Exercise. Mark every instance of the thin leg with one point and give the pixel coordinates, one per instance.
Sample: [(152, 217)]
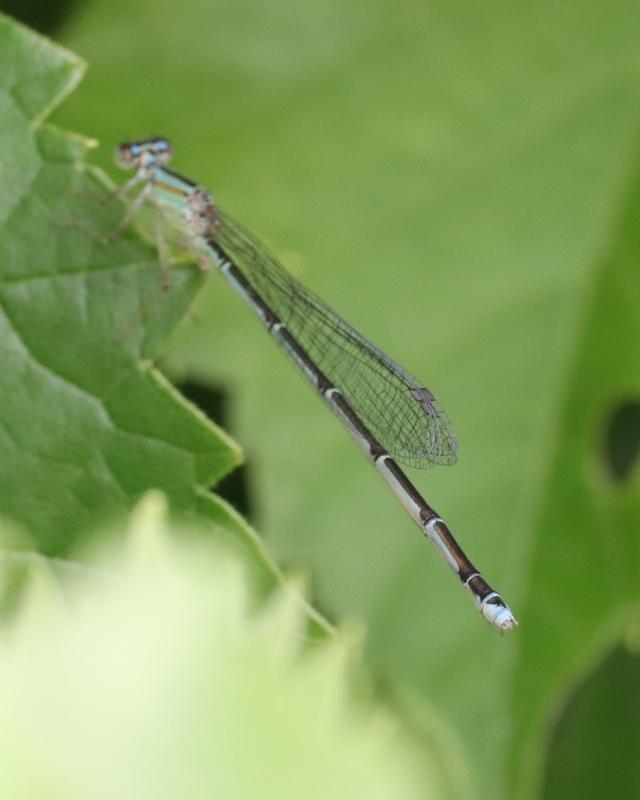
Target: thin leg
[(139, 177), (133, 209), (163, 253)]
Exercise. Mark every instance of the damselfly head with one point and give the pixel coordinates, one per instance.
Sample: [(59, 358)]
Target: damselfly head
[(143, 153)]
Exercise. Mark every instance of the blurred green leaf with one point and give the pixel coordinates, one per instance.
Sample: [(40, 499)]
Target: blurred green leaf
[(597, 722), (463, 177), (584, 584)]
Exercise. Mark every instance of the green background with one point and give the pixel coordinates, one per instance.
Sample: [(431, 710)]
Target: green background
[(461, 182)]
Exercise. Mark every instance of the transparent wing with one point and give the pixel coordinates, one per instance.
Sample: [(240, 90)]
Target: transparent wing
[(403, 414)]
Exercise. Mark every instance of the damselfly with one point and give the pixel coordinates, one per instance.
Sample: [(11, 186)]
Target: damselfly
[(392, 417)]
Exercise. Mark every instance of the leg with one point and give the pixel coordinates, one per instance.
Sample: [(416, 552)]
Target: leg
[(163, 254), (133, 209), (120, 191)]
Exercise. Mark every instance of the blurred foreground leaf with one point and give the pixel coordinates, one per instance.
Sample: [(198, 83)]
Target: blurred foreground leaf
[(153, 680)]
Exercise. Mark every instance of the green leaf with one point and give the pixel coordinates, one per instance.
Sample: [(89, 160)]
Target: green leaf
[(87, 423)]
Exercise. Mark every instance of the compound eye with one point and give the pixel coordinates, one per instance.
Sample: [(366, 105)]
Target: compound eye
[(163, 149)]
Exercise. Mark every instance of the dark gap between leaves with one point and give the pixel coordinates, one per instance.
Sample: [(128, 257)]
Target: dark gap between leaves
[(45, 16), (622, 440), (214, 401)]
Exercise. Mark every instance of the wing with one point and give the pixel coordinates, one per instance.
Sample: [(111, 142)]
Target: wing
[(403, 414)]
